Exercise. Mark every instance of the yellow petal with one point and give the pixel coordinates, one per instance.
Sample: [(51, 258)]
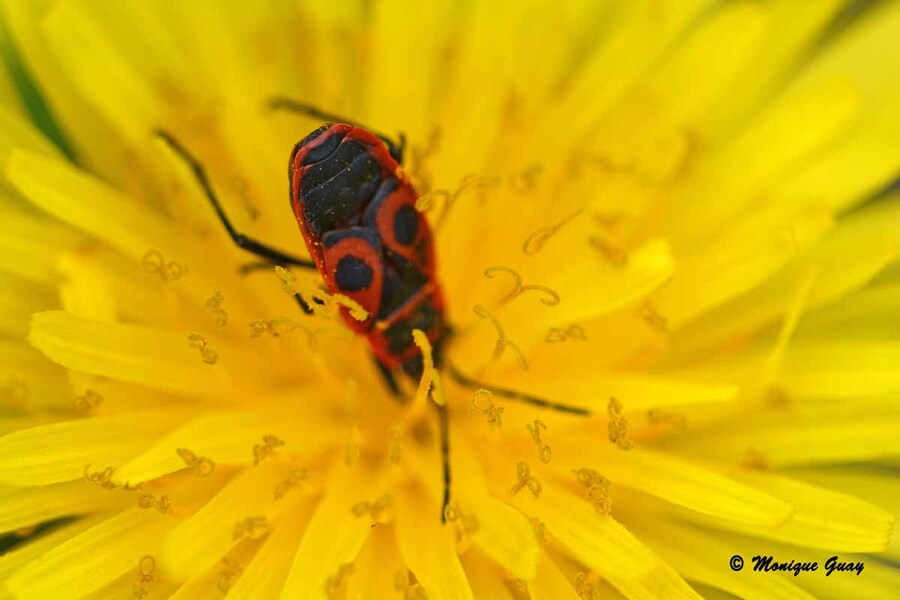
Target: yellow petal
[(678, 481), (206, 536), (42, 542), (783, 135), (822, 518), (603, 544), (872, 484), (18, 299), (92, 206), (86, 290), (503, 533), (334, 535), (93, 558), (841, 369), (211, 584), (35, 381), (228, 437), (719, 48), (29, 247), (376, 567), (429, 549), (738, 261), (62, 451), (265, 575), (835, 436), (25, 506), (856, 249), (700, 556), (127, 352), (95, 65), (635, 39), (550, 583)]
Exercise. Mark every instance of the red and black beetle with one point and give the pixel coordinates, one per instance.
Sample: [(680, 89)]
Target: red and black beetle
[(357, 211)]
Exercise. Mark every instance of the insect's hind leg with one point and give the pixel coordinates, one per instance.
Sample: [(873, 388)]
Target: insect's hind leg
[(247, 244), (516, 396), (390, 381), (444, 424)]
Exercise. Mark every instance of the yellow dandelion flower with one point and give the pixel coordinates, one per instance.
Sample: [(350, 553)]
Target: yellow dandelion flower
[(666, 232)]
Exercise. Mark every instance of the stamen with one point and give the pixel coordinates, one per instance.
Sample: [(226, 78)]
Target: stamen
[(657, 416), (526, 479), (536, 240), (281, 325), (395, 451), (597, 487), (502, 343), (756, 460), (776, 397), (251, 527), (419, 155), (203, 467), (230, 573), (375, 509), (477, 183), (585, 586), (15, 393), (334, 583), (102, 478), (614, 253), (650, 314), (430, 378), (155, 264), (199, 341), (552, 299), (493, 412), (540, 531), (322, 301), (214, 305), (411, 590), (288, 280), (526, 181), (266, 449), (543, 449), (465, 524), (162, 504), (351, 409), (87, 402), (609, 220), (618, 425), (295, 478), (145, 576), (558, 335)]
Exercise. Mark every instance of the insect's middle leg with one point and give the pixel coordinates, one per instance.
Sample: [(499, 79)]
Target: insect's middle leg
[(264, 251)]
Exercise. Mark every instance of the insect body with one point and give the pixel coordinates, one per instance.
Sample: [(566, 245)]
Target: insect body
[(356, 210)]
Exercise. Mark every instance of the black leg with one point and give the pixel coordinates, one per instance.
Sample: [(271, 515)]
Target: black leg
[(396, 149), (389, 380), (445, 456), (250, 245), (516, 396)]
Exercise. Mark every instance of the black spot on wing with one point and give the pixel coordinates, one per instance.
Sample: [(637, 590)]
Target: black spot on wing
[(352, 274), (406, 225)]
